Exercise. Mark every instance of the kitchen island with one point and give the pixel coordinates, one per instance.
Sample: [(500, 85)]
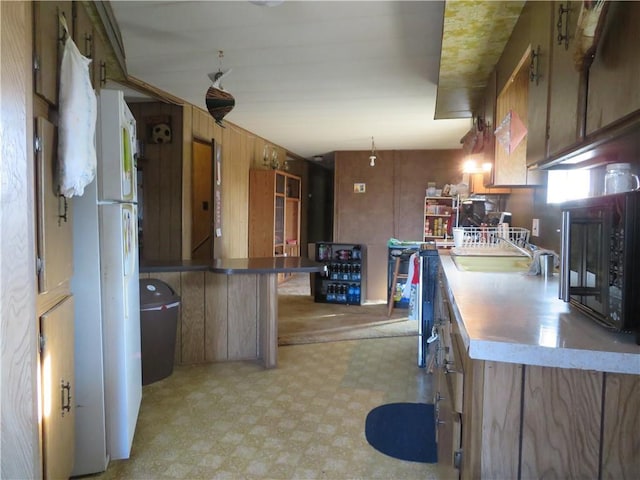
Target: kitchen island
[(534, 387), (229, 309)]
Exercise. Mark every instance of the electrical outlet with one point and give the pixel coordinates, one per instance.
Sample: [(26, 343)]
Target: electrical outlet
[(535, 227)]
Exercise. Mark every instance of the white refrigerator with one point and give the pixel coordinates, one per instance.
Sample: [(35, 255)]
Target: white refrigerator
[(105, 286)]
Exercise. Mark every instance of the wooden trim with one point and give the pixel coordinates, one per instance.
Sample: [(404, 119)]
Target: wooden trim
[(193, 302), (268, 320), (216, 313)]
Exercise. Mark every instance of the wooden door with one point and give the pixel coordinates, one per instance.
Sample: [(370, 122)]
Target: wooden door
[(202, 204), (55, 230), (58, 390)]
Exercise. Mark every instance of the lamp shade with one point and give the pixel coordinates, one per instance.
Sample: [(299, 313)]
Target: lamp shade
[(219, 103)]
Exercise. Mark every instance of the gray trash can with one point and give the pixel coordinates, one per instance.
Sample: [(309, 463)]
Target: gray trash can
[(159, 309)]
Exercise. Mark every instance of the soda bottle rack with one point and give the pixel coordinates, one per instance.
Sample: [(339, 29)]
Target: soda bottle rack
[(343, 278)]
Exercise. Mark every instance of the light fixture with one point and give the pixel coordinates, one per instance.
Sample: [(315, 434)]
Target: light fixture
[(373, 156), (471, 166), (219, 101)]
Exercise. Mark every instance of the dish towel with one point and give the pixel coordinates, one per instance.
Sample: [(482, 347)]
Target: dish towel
[(534, 268), (78, 112), (410, 288)]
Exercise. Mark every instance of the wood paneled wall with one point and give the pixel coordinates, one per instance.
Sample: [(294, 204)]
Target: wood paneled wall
[(20, 456), (218, 316), (392, 205), (167, 176), (161, 167)]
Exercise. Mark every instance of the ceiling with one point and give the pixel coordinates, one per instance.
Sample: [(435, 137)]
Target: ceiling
[(319, 76)]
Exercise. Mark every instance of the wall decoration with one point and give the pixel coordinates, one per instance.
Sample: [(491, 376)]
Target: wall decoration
[(217, 189), (359, 187), (511, 132), (158, 129)]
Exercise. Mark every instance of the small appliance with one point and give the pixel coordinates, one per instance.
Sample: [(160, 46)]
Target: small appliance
[(600, 254)]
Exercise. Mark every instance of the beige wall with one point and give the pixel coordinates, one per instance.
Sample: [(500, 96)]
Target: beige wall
[(392, 205)]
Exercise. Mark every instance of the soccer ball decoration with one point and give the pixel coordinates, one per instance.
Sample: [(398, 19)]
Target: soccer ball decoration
[(161, 133)]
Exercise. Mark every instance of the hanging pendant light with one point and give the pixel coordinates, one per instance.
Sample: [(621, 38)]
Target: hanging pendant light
[(219, 101), (373, 156)]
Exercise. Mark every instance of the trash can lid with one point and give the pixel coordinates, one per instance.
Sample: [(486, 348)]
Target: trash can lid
[(156, 293)]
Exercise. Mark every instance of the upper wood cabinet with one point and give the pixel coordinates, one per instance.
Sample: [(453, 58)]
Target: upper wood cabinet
[(47, 46), (564, 99), (478, 184), (614, 76), (522, 82), (540, 34)]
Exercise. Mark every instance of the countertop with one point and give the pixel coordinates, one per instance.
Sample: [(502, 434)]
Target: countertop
[(518, 318), (231, 266)]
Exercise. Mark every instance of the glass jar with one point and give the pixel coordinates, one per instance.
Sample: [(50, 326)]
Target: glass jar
[(619, 179)]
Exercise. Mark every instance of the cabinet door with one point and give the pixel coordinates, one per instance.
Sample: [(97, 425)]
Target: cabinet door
[(615, 72), (510, 159), (48, 46), (99, 63), (58, 390), (541, 14), (55, 231), (83, 36), (565, 82)]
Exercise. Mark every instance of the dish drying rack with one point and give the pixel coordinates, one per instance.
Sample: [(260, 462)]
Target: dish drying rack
[(494, 237)]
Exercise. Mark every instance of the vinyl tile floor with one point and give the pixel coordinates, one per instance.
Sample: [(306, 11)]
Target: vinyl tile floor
[(302, 420)]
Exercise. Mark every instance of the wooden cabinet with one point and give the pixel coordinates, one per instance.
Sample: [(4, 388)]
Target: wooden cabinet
[(564, 98), (440, 216), (613, 77), (57, 389), (54, 247), (48, 45), (274, 214), (55, 230), (448, 378), (477, 186), (522, 81), (540, 33), (528, 421)]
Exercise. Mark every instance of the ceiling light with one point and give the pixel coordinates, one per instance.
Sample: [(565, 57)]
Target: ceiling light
[(373, 156), (219, 101)]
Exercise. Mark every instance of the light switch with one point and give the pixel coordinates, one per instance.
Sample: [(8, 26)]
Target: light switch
[(535, 227)]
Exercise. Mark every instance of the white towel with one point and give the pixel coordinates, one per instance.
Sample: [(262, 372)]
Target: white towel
[(77, 127)]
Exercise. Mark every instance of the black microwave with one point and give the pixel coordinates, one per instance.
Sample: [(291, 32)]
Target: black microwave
[(600, 266)]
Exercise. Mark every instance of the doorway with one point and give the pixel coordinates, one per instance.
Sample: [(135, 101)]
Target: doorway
[(202, 201)]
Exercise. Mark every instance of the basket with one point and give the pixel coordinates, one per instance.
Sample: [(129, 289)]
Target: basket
[(492, 236)]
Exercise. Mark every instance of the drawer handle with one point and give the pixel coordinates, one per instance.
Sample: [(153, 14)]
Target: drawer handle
[(65, 387)]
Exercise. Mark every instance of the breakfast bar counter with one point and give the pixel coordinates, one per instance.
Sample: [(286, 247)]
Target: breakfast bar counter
[(229, 308)]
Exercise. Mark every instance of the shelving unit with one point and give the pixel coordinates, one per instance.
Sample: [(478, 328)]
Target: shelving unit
[(274, 215), (440, 216), (344, 276)]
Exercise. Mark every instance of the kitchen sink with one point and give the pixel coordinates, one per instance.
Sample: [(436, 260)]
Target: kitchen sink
[(490, 259)]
